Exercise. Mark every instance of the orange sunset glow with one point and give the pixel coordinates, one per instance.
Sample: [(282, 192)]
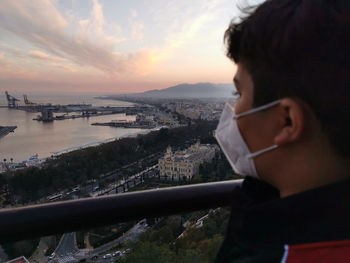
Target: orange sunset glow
[(112, 46)]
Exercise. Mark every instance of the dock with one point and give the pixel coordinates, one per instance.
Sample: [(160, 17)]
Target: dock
[(76, 116), (129, 125)]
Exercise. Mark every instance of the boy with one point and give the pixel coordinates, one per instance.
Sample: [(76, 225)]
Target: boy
[(288, 129)]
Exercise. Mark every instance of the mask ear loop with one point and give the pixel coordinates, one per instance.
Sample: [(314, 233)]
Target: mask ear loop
[(252, 155), (263, 107)]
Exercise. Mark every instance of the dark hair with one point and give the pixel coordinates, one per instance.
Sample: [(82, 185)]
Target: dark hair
[(299, 48)]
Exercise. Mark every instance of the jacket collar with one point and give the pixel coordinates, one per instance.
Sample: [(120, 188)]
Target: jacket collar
[(320, 214)]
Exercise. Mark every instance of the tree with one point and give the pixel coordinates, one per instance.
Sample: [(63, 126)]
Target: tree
[(162, 236), (189, 256), (147, 252)]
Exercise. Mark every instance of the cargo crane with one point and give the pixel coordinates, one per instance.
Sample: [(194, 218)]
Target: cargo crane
[(27, 102), (12, 101)]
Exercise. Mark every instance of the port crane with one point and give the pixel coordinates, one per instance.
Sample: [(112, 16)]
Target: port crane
[(27, 102), (12, 101)]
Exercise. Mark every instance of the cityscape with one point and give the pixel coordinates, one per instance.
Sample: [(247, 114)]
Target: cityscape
[(185, 160)]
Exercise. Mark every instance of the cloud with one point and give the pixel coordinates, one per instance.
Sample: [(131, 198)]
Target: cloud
[(137, 30), (188, 24), (52, 60), (40, 24), (43, 56), (133, 13), (97, 16), (3, 63), (9, 69), (136, 25)]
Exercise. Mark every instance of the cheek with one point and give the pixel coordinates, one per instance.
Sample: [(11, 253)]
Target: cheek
[(255, 133), (241, 106), (247, 132), (244, 103)]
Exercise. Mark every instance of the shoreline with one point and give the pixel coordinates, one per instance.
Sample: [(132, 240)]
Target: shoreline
[(55, 154), (96, 143)]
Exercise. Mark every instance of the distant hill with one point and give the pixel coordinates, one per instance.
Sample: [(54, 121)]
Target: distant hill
[(198, 90)]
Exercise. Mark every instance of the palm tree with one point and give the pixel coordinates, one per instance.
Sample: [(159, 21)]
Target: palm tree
[(5, 164)]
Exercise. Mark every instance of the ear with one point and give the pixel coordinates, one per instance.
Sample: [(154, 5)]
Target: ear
[(292, 121)]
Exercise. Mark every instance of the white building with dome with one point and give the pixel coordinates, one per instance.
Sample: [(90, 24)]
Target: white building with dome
[(183, 165)]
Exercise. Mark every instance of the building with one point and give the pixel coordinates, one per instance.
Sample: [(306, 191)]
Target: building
[(183, 165), (21, 259), (47, 115)]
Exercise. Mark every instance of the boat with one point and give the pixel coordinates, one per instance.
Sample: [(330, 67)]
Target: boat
[(33, 158)]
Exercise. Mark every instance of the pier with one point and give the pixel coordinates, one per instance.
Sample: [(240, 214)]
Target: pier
[(65, 116), (134, 125)]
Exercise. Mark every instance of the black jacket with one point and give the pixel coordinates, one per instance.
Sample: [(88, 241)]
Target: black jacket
[(313, 226)]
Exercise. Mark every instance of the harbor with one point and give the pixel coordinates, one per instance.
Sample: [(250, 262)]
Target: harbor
[(71, 122), (46, 138), (53, 112)]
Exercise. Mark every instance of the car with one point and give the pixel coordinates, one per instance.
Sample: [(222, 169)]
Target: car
[(127, 251), (117, 254), (94, 257), (107, 256)]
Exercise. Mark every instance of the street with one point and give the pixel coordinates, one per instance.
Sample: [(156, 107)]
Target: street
[(67, 251), (66, 248)]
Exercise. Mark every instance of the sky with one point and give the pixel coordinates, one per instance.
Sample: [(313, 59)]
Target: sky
[(112, 46)]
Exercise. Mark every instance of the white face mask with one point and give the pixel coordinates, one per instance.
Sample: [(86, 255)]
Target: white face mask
[(232, 143)]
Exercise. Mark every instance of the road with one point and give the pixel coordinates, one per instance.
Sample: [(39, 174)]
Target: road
[(66, 245), (113, 188), (66, 248), (67, 251), (131, 235)]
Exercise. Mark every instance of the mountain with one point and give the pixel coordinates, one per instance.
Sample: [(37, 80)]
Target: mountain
[(198, 90)]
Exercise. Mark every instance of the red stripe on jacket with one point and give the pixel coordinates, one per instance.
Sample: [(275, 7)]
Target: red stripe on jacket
[(321, 252)]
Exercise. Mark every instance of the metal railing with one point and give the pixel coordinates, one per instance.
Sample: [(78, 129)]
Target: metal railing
[(67, 216)]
